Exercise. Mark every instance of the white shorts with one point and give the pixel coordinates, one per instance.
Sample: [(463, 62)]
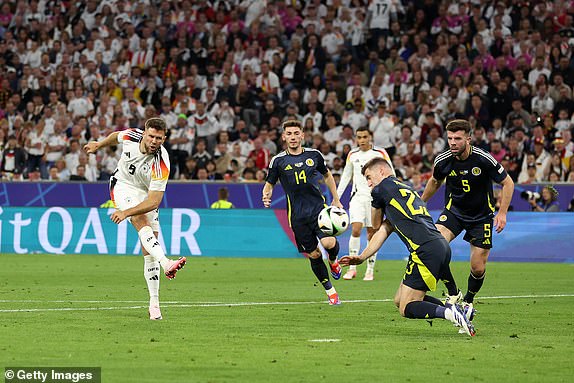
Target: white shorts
[(125, 197), (360, 210)]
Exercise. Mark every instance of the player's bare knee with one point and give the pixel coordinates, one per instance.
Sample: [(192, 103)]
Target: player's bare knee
[(328, 243), (397, 301), (139, 221), (477, 270)]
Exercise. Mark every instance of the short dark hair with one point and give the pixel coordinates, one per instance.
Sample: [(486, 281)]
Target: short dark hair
[(374, 162), (291, 123), (223, 193), (457, 125), (156, 123), (364, 129)]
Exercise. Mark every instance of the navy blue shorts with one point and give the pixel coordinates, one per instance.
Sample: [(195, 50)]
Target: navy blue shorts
[(306, 235), (478, 233), (427, 265)]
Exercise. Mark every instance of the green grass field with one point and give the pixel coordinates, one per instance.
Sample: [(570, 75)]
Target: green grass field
[(254, 320)]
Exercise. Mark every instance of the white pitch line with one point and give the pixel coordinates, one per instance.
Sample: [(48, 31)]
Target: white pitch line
[(324, 340), (256, 303), (241, 304)]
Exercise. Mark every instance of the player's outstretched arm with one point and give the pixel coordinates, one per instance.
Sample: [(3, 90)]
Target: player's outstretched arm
[(374, 244), (94, 146), (432, 186), (506, 197), (330, 182), (267, 192), (152, 202)]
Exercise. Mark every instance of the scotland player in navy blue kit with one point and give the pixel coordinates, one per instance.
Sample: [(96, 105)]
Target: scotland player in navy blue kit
[(299, 171), (429, 252), (468, 173)]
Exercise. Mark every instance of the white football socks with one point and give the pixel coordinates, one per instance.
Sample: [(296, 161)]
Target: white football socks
[(151, 274), (354, 247), (152, 246)]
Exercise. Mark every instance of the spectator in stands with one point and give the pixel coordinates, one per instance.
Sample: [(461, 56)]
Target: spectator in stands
[(529, 176), (13, 159), (497, 150), (200, 154), (36, 148), (180, 141), (479, 139), (80, 174), (260, 154)]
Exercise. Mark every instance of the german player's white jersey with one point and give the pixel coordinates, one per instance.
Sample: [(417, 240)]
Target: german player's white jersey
[(356, 159), (141, 171), (380, 11)]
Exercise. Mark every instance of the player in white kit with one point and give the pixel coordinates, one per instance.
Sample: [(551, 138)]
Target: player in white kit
[(360, 205), (136, 188)]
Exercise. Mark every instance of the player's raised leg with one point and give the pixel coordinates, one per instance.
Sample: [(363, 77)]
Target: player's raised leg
[(153, 247)]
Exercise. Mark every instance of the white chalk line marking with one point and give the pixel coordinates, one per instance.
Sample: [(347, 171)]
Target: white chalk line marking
[(181, 304), (324, 340)]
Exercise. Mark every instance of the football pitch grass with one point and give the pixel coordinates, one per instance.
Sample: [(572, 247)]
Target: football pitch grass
[(266, 320)]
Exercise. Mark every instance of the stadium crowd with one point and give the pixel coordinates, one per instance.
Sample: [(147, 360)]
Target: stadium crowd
[(225, 74)]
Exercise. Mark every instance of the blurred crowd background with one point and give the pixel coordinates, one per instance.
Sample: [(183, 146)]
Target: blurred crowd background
[(225, 74)]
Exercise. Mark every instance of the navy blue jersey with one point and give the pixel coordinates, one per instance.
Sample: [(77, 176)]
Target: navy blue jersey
[(406, 211), (299, 175), (468, 192)]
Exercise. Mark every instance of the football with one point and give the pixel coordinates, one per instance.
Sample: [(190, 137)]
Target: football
[(333, 220)]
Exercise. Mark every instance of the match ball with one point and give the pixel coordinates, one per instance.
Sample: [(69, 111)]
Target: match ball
[(333, 220)]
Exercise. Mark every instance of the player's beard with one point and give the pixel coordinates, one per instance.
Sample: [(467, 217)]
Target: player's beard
[(149, 149), (460, 151)]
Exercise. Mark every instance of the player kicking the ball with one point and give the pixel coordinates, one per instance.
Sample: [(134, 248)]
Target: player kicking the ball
[(360, 205), (298, 169), (137, 187), (429, 258)]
